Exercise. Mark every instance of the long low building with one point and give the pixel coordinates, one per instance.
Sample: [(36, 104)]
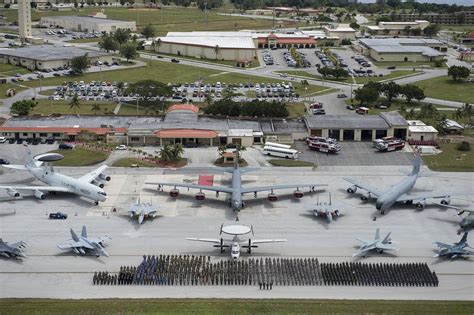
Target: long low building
[(43, 57), (87, 24)]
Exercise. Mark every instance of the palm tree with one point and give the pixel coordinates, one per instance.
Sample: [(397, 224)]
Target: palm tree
[(95, 108), (177, 151), (221, 150), (165, 153), (74, 103)]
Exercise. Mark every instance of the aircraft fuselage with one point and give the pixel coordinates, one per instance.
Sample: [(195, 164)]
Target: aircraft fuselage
[(236, 197), (387, 199)]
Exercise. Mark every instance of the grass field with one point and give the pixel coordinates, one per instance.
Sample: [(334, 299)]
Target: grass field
[(451, 159), (404, 64), (447, 89), (359, 80), (46, 107), (456, 28), (7, 69), (79, 157), (289, 163), (6, 86), (222, 306), (128, 162), (296, 109)]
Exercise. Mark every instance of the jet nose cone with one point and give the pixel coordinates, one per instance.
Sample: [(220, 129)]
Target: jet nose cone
[(378, 205)]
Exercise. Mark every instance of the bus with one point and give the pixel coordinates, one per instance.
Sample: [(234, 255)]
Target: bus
[(280, 152), (277, 145)]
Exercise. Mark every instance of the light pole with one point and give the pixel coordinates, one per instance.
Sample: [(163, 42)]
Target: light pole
[(353, 82)]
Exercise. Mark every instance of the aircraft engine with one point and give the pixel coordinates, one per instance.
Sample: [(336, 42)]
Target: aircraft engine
[(105, 177), (420, 204), (365, 196), (38, 194), (337, 213), (272, 197), (298, 194), (5, 254), (81, 251), (98, 183), (13, 193), (75, 250), (174, 193), (352, 189), (446, 201), (200, 196)]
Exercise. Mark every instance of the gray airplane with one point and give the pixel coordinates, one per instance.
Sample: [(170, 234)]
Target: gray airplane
[(236, 190), (378, 244), (326, 210), (88, 186), (467, 223), (455, 250), (12, 250), (398, 192), (142, 210), (82, 244)]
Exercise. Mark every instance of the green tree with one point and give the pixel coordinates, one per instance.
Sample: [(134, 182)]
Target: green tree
[(458, 72), (148, 31), (121, 36), (79, 64), (391, 90), (411, 92), (325, 71), (354, 25), (431, 30), (177, 151), (95, 108), (22, 107), (166, 154), (75, 102), (366, 95), (128, 51), (340, 73), (108, 43), (150, 88)]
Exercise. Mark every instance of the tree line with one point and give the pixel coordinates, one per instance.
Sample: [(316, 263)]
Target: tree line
[(370, 92), (255, 108)]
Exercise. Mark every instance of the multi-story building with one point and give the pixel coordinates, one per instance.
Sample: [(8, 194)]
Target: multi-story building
[(461, 17)]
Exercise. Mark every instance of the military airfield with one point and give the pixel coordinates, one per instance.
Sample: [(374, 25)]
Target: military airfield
[(49, 272)]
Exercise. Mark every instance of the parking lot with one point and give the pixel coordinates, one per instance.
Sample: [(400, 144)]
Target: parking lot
[(353, 154)]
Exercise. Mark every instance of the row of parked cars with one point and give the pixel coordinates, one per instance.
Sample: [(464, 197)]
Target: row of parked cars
[(33, 141), (325, 61), (291, 62), (361, 61), (267, 58)]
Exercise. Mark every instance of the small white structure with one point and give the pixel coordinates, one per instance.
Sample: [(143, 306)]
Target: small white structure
[(419, 131)]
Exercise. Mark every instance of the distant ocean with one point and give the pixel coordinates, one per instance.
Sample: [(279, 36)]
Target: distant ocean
[(458, 2)]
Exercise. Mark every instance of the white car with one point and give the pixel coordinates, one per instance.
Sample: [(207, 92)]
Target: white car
[(3, 139), (121, 147)]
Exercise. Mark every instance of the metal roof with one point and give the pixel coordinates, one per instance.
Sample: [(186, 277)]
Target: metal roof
[(48, 52), (209, 34), (211, 41), (393, 118), (346, 122)]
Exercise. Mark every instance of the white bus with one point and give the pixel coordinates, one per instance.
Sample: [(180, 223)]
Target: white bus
[(280, 152), (277, 145)]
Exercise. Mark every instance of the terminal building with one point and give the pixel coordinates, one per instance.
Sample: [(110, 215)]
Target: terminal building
[(43, 57), (402, 49), (87, 24)]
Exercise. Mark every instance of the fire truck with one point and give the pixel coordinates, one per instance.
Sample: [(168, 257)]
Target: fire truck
[(320, 139), (390, 145), (325, 147)]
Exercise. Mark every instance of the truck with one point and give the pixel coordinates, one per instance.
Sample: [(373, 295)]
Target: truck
[(390, 145), (57, 216), (320, 139), (383, 139), (362, 110), (325, 147)]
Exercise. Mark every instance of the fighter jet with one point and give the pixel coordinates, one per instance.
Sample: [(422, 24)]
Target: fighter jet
[(467, 223), (142, 211), (236, 190), (12, 250), (88, 186), (455, 250), (81, 244), (326, 210), (235, 244), (378, 245), (398, 192)]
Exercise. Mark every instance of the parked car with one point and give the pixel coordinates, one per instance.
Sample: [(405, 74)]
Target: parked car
[(175, 60), (342, 95), (391, 68), (121, 147), (58, 216), (3, 139), (349, 107), (65, 146)]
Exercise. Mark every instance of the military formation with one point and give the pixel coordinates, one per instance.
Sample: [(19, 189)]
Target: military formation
[(185, 270), (378, 274)]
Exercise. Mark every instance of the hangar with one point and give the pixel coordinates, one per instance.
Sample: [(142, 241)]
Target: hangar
[(358, 128), (87, 24)]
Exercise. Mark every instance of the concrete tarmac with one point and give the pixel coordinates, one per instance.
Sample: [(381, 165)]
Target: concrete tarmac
[(49, 272)]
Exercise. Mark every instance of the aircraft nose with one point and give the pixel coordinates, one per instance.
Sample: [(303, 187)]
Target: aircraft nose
[(378, 205)]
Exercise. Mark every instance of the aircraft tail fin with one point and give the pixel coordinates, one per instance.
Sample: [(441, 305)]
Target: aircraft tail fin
[(416, 165), (377, 234), (387, 238), (84, 231), (74, 236), (463, 239)]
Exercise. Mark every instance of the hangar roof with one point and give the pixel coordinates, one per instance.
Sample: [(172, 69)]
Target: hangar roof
[(211, 41), (346, 122), (48, 52)]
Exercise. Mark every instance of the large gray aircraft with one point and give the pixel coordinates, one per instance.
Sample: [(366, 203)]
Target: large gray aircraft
[(236, 190), (141, 211), (235, 244), (82, 244), (467, 223), (378, 244), (398, 192), (88, 186), (455, 250), (12, 250)]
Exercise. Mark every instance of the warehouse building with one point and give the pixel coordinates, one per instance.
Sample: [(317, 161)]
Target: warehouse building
[(396, 28), (43, 57), (402, 49), (341, 31), (87, 24), (234, 46), (358, 128)]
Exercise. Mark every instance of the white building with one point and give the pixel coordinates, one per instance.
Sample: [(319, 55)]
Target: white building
[(87, 24), (419, 131), (396, 28), (341, 31)]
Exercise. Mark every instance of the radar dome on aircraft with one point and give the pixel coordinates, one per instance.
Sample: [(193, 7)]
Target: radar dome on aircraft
[(236, 229), (49, 157)]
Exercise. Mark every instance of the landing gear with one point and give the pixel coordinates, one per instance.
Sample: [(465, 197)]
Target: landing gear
[(96, 203), (382, 212)]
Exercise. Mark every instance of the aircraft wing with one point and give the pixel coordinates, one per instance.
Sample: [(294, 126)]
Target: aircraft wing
[(207, 240), (266, 241), (33, 188), (100, 239), (368, 188), (386, 247), (16, 167), (441, 245), (460, 209), (200, 187), (73, 244), (406, 197), (89, 177), (247, 190), (18, 245)]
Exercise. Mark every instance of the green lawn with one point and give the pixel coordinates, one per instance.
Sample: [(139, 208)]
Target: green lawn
[(451, 159), (403, 64), (296, 109), (289, 163), (456, 28), (128, 162), (359, 80), (7, 69), (80, 157), (222, 306), (447, 89), (46, 107), (6, 86), (254, 63)]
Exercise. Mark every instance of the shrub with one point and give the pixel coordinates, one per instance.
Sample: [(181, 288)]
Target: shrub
[(464, 146)]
